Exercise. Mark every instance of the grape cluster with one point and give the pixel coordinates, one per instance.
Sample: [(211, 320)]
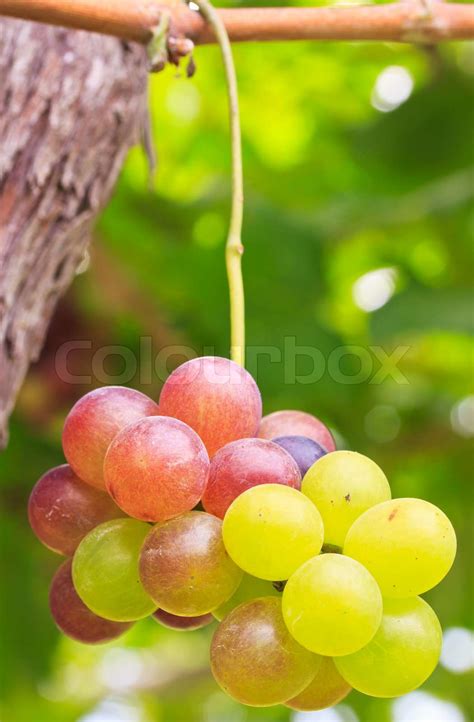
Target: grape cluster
[(196, 509)]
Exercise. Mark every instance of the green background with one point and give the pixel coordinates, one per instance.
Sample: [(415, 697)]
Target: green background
[(335, 188)]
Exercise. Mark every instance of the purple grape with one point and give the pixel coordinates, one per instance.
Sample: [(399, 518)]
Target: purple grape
[(304, 450)]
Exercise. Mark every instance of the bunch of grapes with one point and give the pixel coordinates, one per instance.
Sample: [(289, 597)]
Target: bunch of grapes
[(197, 509)]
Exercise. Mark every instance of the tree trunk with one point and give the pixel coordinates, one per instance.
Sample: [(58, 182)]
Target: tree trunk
[(71, 105)]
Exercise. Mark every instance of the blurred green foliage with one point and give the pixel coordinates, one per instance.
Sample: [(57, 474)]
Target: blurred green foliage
[(335, 189)]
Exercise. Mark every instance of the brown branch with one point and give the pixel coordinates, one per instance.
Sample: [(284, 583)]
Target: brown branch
[(421, 22)]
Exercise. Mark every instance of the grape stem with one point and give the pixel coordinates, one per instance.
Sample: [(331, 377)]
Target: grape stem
[(331, 549), (234, 247)]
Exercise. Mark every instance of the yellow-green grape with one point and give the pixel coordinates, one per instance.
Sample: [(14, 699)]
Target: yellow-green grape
[(332, 605), (408, 545), (343, 485), (255, 659), (327, 689), (249, 588), (105, 571), (401, 656), (271, 529)]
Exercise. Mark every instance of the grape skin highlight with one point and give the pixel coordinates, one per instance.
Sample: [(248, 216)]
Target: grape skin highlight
[(296, 423), (409, 546), (94, 421), (72, 616), (156, 468), (62, 509), (270, 530), (243, 464), (401, 656), (217, 398), (105, 571), (327, 689), (184, 565), (332, 605), (254, 658), (343, 485)]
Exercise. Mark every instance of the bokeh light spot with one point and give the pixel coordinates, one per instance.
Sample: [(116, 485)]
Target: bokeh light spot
[(113, 710), (424, 707), (183, 102), (457, 654), (393, 87), (382, 423), (462, 417), (341, 713), (374, 289), (121, 668), (209, 230)]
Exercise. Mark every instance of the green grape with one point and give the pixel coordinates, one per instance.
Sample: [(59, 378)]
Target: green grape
[(271, 529), (401, 656), (327, 689), (408, 545), (105, 571), (249, 588), (332, 605), (254, 658), (343, 485)]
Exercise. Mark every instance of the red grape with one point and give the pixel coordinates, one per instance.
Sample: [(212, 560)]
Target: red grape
[(255, 659), (62, 509), (156, 468), (182, 624), (327, 689), (243, 464), (184, 566), (216, 397), (94, 421), (72, 616), (296, 423), (305, 451)]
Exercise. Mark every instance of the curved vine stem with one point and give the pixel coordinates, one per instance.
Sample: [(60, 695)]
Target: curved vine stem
[(234, 247)]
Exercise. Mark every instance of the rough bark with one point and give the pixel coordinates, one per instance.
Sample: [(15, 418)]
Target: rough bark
[(71, 105)]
